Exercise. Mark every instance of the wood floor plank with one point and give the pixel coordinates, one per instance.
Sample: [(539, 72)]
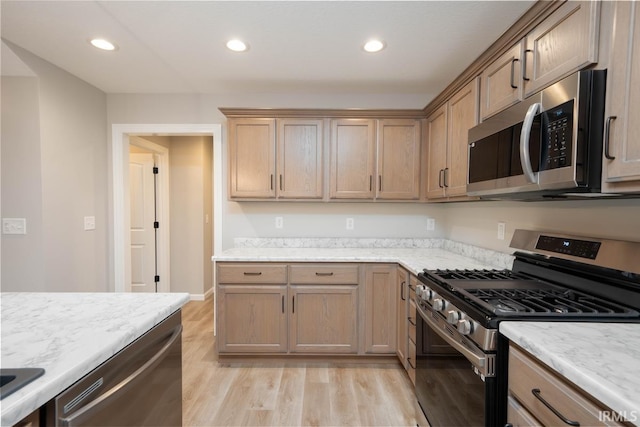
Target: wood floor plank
[(290, 393)]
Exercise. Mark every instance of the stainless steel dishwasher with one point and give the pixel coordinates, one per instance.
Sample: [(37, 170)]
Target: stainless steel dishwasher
[(139, 386)]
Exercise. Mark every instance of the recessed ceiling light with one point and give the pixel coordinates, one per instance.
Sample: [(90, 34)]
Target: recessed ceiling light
[(373, 46), (103, 44), (237, 45)]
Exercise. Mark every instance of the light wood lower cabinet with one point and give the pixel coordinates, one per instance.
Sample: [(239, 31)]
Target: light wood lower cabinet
[(534, 390), (402, 301), (252, 318), (324, 318), (380, 309)]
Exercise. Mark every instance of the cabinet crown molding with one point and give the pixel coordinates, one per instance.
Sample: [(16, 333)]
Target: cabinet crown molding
[(351, 113)]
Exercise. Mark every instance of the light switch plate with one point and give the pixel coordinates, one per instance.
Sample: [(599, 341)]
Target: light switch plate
[(431, 224), (501, 229), (14, 226), (350, 224), (279, 222), (89, 223)]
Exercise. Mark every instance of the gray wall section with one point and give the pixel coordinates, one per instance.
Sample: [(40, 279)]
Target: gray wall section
[(73, 181)]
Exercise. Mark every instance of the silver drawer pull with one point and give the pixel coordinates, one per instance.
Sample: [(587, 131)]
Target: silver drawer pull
[(536, 393), (324, 274), (252, 273)]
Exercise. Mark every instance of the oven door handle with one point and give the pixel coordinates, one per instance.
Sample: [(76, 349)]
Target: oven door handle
[(479, 362)]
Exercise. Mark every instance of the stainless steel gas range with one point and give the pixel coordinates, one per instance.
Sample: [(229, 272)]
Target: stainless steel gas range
[(461, 366)]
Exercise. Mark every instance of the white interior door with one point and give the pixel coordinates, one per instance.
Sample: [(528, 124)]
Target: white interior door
[(143, 236)]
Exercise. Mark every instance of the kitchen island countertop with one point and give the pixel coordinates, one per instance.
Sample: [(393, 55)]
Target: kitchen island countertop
[(69, 335), (603, 359)]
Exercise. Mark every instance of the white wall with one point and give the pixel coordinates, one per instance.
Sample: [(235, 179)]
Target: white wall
[(72, 167), (191, 245), (477, 222)]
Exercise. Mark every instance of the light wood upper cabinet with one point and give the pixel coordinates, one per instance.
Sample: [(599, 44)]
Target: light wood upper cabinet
[(565, 42), (398, 159), (502, 82), (436, 129), (462, 116), (380, 309), (252, 162), (353, 153), (263, 167), (448, 129), (300, 162), (621, 168)]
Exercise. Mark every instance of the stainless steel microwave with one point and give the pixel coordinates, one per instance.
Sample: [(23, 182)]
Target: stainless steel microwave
[(547, 146)]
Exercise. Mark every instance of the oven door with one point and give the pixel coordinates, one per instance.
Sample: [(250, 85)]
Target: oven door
[(450, 387)]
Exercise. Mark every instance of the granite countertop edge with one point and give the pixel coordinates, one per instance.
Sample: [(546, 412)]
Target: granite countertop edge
[(69, 335), (600, 358)]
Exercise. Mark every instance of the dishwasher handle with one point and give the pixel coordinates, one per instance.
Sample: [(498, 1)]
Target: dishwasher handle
[(104, 398)]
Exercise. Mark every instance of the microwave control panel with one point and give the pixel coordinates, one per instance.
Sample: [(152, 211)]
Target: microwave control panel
[(557, 142)]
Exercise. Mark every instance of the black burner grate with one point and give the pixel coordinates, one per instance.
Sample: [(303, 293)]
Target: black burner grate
[(477, 275)]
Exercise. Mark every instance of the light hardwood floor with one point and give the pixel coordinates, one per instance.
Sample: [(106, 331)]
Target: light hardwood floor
[(294, 393)]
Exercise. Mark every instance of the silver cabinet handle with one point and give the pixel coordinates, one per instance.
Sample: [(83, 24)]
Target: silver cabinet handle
[(525, 134), (607, 131), (84, 413), (538, 395), (524, 65), (513, 71)]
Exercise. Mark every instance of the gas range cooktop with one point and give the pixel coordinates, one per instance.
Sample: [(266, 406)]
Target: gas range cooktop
[(507, 293)]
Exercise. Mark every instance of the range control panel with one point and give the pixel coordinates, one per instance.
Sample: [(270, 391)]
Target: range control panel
[(579, 248)]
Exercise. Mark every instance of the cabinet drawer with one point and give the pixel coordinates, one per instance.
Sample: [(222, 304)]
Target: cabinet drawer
[(517, 416), (324, 274), (530, 382), (411, 362), (412, 321), (252, 273)]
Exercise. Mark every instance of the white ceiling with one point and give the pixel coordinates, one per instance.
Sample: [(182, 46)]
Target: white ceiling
[(295, 46)]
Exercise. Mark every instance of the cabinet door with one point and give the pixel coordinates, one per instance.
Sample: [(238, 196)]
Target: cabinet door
[(622, 144), (380, 309), (252, 147), (300, 158), (252, 318), (565, 42), (462, 116), (437, 158), (398, 159), (402, 331), (353, 150), (324, 319), (502, 82)]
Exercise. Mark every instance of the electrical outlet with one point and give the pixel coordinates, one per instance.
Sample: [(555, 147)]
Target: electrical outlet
[(279, 222), (14, 226), (431, 224), (350, 223), (501, 228), (89, 223)]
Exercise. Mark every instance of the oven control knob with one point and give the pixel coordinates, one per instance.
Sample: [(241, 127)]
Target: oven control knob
[(453, 316), (439, 304), (420, 290), (465, 326)]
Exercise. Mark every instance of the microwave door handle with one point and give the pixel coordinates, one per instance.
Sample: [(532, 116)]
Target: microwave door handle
[(525, 134)]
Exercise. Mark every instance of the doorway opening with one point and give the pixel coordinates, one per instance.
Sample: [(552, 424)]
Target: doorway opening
[(125, 136)]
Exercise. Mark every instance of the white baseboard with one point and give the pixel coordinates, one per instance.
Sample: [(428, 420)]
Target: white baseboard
[(201, 297)]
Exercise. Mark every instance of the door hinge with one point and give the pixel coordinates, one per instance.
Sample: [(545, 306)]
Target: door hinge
[(155, 170), (156, 279), (156, 224)]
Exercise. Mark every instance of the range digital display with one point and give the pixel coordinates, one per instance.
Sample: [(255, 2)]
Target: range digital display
[(579, 248)]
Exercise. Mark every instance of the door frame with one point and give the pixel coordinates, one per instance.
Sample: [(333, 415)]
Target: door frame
[(120, 221)]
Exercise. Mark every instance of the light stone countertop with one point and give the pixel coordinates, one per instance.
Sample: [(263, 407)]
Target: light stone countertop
[(69, 335), (601, 358), (413, 254)]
